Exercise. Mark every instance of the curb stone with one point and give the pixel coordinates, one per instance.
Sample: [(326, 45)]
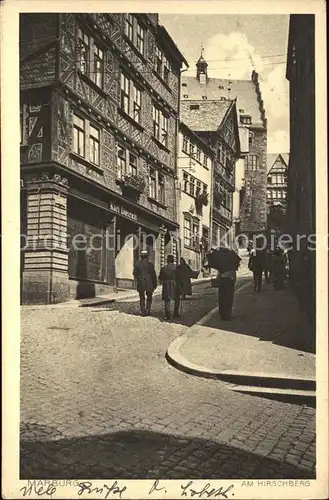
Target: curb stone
[(260, 384)]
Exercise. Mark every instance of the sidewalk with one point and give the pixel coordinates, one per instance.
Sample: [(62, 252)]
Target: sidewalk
[(267, 343), (119, 296)]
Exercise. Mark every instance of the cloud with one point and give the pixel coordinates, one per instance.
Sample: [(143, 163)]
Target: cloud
[(275, 92), (278, 142), (231, 55)]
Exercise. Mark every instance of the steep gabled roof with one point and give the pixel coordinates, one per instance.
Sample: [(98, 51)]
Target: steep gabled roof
[(272, 157), (204, 116), (245, 91)]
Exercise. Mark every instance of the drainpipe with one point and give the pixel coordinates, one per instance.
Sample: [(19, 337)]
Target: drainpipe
[(176, 161)]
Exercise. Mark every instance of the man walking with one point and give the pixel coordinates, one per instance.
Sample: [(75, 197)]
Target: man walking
[(170, 288), (145, 276), (256, 265)]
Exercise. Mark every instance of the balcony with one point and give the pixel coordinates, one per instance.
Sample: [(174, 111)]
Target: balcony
[(132, 185)]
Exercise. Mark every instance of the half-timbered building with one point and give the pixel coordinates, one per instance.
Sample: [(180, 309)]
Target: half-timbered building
[(215, 122), (99, 108)]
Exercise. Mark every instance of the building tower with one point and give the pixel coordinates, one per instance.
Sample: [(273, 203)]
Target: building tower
[(201, 68)]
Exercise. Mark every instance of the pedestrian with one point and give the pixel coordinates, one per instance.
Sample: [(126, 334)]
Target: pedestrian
[(184, 273), (256, 265), (226, 287), (268, 265), (278, 269), (170, 288), (146, 278)]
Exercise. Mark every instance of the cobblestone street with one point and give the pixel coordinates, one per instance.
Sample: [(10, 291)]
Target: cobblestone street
[(99, 400)]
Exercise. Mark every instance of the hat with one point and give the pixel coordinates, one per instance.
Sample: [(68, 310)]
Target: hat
[(144, 252)]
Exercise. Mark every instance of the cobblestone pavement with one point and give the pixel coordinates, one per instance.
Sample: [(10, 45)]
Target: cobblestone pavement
[(99, 400)]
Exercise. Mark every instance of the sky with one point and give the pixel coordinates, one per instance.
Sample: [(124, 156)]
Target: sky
[(234, 45)]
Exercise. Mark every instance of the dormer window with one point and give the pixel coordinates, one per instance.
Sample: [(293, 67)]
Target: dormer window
[(245, 119), (221, 87), (185, 96), (184, 84), (204, 97)]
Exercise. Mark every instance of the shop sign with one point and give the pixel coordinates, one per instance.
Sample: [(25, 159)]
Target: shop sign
[(123, 211)]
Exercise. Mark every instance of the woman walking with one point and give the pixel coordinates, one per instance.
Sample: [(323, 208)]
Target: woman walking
[(184, 273)]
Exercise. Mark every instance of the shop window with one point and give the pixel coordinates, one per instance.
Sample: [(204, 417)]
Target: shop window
[(130, 98), (79, 135)]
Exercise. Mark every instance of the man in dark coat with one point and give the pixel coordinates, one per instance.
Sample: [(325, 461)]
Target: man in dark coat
[(256, 265), (170, 289), (145, 276), (184, 273)]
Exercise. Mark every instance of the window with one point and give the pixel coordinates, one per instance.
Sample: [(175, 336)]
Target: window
[(269, 179), (84, 52), (185, 96), (129, 26), (185, 181), (94, 141), (124, 99), (185, 144), (184, 84), (251, 162), (158, 60), (135, 33), (269, 193), (153, 183), (98, 66), (127, 162), (157, 186), (121, 162), (251, 137), (161, 188), (140, 38), (220, 87), (160, 126), (194, 106), (90, 58), (162, 65), (198, 188), (204, 97), (284, 194), (191, 186), (245, 119), (198, 155), (78, 135), (137, 105), (205, 161), (192, 150), (130, 98), (166, 69), (187, 232)]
